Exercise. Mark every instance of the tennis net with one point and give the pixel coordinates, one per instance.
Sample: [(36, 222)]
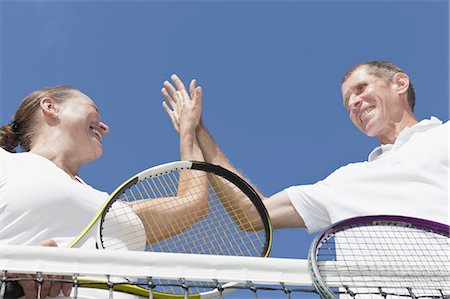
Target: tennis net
[(153, 275)]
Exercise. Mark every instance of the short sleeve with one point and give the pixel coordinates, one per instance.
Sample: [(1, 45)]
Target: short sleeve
[(122, 229), (308, 201)]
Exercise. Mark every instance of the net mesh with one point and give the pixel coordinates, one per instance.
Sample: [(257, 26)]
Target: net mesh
[(388, 260), (148, 274)]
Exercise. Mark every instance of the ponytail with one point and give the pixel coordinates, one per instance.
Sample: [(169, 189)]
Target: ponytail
[(8, 137)]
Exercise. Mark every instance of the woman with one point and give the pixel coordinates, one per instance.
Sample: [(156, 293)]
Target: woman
[(43, 199)]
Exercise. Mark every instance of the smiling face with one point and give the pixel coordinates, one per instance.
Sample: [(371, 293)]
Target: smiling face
[(374, 105), (83, 131)]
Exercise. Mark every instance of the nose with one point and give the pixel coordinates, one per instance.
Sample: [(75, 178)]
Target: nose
[(354, 102), (104, 128)]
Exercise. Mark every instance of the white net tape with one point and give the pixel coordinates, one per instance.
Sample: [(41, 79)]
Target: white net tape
[(184, 272)]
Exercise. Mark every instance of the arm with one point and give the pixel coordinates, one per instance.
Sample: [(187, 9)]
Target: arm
[(167, 217), (279, 206), (281, 211)]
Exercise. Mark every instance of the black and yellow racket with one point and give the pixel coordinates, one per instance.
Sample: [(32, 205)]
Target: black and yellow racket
[(182, 207)]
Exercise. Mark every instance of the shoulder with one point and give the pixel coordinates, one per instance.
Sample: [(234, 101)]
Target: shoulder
[(445, 124), (346, 172), (4, 152), (438, 130), (434, 123), (6, 158)]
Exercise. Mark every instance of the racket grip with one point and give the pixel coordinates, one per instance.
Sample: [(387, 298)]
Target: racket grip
[(13, 290)]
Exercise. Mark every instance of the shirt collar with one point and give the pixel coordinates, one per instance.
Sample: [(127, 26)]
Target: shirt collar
[(404, 136)]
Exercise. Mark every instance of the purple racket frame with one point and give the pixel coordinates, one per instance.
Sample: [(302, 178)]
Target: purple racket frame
[(373, 220)]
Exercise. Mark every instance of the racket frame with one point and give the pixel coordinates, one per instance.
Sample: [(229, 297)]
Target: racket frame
[(94, 227), (246, 188), (372, 220)]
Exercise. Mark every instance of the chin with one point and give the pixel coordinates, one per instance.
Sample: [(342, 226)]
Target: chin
[(371, 129), (370, 133), (98, 154)]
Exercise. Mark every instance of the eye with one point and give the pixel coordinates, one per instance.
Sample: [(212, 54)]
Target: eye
[(360, 88)]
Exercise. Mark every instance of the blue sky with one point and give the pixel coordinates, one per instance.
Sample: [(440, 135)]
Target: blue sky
[(270, 71)]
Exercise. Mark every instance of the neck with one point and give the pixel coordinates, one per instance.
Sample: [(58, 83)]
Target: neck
[(68, 166), (394, 128)]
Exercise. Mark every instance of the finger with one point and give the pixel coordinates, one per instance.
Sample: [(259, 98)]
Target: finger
[(165, 93), (185, 95), (181, 98), (168, 110), (51, 243), (198, 96), (55, 289), (173, 102), (66, 287), (169, 87), (168, 97), (172, 116), (192, 88), (29, 288), (45, 288), (178, 83)]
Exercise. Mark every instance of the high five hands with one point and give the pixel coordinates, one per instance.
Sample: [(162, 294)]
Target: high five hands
[(183, 108)]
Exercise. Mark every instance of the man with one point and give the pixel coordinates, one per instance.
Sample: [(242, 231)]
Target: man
[(407, 174)]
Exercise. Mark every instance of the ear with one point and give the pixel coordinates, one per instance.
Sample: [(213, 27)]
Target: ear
[(48, 107), (401, 81)]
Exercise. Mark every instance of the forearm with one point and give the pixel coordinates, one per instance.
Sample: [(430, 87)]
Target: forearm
[(210, 149), (189, 147), (237, 204), (167, 217), (214, 155)]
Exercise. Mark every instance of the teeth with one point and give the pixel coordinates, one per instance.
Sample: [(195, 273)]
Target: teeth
[(365, 112), (97, 133)]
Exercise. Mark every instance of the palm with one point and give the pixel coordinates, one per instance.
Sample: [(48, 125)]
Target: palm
[(185, 110)]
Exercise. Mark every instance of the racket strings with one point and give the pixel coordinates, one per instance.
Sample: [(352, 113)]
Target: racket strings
[(238, 214), (219, 220), (202, 235), (169, 190), (398, 259), (221, 227), (148, 189), (239, 206)]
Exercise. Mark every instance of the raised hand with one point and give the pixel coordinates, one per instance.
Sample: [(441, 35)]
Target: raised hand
[(185, 109)]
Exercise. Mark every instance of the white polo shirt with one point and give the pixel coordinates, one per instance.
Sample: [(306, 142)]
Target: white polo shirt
[(39, 201), (409, 178)]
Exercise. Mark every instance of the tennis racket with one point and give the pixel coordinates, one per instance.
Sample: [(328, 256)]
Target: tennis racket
[(382, 257), (180, 207)]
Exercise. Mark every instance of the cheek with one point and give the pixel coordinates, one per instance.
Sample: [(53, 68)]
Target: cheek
[(354, 119)]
